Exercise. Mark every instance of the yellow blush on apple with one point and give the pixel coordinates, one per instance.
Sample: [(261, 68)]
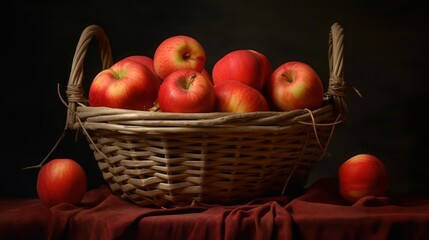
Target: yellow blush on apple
[(126, 84), (235, 96), (295, 85), (179, 52)]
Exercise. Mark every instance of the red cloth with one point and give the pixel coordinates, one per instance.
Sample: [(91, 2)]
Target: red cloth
[(319, 213), (322, 214)]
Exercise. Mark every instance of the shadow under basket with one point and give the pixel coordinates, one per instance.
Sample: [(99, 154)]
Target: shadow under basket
[(161, 159)]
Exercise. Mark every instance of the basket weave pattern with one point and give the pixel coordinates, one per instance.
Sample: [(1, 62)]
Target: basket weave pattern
[(159, 159)]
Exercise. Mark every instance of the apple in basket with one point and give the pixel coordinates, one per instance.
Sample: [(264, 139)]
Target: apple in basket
[(61, 180), (186, 91), (145, 60), (178, 52), (295, 85), (236, 96), (362, 175), (207, 75), (244, 65), (126, 84)]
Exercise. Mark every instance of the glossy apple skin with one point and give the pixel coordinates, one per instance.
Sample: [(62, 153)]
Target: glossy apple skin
[(362, 175), (235, 96), (207, 75), (61, 180), (266, 67), (145, 60), (178, 52), (126, 84), (295, 85), (244, 65), (186, 91)]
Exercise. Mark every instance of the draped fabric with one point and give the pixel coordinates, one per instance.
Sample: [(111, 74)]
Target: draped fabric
[(317, 213)]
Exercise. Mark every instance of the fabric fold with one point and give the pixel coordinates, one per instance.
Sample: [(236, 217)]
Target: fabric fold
[(317, 213)]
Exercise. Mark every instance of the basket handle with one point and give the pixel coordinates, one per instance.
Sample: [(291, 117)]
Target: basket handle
[(75, 92), (337, 88)]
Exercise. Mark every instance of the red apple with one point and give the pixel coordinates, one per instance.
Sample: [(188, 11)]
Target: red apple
[(235, 96), (126, 84), (61, 180), (362, 175), (207, 75), (244, 65), (295, 85), (177, 53), (186, 91), (266, 66), (145, 60)]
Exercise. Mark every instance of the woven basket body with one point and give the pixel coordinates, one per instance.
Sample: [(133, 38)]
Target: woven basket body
[(162, 159)]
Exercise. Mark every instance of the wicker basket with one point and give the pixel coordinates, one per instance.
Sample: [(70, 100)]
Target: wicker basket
[(165, 159)]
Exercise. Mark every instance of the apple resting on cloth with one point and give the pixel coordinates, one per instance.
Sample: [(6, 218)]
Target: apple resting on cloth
[(61, 180), (362, 175)]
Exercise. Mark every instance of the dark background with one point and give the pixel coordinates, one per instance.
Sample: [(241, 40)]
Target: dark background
[(386, 59)]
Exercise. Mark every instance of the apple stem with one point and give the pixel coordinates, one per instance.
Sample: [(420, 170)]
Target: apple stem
[(187, 55), (287, 78), (189, 82)]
